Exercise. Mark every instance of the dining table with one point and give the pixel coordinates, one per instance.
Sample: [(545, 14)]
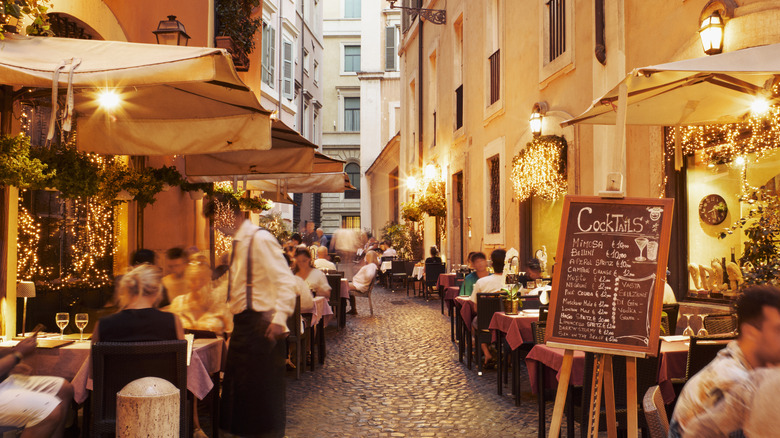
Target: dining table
[(516, 330), (320, 317), (544, 370), (386, 266), (73, 363), (450, 294)]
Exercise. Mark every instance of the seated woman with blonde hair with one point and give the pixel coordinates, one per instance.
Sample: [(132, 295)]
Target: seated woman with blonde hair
[(203, 307), (140, 290)]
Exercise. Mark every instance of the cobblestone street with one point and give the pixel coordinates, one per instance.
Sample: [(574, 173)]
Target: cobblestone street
[(397, 374)]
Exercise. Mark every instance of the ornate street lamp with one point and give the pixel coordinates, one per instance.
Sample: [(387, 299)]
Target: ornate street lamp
[(711, 34), (435, 16), (171, 32)]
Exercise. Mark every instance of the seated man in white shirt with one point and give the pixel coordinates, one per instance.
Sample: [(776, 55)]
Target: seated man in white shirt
[(389, 251), (363, 278), (322, 263), (492, 283)]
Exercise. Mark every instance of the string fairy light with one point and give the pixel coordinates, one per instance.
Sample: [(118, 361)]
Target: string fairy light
[(29, 236), (540, 169)]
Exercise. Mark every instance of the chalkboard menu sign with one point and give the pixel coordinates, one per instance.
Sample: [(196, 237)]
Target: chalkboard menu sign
[(609, 275)]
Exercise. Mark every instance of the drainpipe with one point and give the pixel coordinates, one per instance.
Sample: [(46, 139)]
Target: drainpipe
[(420, 90), (210, 17)]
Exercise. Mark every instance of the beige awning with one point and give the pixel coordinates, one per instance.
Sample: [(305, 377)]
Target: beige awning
[(173, 100), (336, 182), (291, 155), (712, 89)]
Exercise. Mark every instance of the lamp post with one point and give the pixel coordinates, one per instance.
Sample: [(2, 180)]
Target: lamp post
[(171, 32), (711, 34), (25, 289)]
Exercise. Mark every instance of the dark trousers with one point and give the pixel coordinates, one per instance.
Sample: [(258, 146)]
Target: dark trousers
[(253, 390)]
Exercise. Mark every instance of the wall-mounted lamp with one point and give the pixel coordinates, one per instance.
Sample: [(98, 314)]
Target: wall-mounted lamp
[(537, 116), (411, 183), (711, 34), (171, 32), (430, 172)]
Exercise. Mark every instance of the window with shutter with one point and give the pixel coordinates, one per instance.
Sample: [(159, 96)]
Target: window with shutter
[(287, 69), (268, 54), (390, 50)]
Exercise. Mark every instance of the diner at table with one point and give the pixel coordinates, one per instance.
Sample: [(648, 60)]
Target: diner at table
[(316, 280), (491, 283)]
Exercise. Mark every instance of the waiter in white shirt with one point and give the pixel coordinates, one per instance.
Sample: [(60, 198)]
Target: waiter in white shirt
[(261, 296)]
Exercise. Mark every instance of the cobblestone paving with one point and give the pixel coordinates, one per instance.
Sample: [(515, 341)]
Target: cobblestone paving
[(397, 374)]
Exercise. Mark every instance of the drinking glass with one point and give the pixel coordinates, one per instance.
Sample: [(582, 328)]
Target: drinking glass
[(530, 284), (62, 319), (539, 282), (641, 243), (652, 250), (688, 330), (702, 331), (81, 322)]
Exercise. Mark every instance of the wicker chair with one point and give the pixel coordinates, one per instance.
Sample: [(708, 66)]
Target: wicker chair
[(702, 350), (665, 326), (115, 364), (335, 301), (539, 329), (720, 323), (397, 272), (366, 294), (296, 337), (655, 413), (432, 272), (488, 303)]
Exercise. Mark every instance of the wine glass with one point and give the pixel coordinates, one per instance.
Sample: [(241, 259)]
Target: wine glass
[(62, 320), (81, 322), (688, 330), (641, 243), (703, 330)]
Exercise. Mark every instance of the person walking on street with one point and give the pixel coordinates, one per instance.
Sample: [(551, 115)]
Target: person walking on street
[(261, 296)]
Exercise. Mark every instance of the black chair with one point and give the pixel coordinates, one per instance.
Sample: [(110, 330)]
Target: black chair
[(409, 280), (296, 337), (702, 350), (335, 301), (655, 413), (398, 272), (115, 364), (543, 310), (539, 329), (530, 302), (665, 326), (432, 272), (488, 303), (721, 323), (673, 311), (384, 276)]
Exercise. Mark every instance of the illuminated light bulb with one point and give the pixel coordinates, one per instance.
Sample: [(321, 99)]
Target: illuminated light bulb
[(109, 99), (411, 183), (759, 106), (739, 161), (430, 172)]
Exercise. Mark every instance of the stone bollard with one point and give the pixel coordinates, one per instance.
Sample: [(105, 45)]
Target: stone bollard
[(148, 407)]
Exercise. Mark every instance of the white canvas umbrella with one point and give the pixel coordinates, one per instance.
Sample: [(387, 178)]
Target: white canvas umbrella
[(335, 182), (170, 100), (712, 89)]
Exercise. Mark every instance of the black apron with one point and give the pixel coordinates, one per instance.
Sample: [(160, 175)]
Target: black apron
[(253, 390)]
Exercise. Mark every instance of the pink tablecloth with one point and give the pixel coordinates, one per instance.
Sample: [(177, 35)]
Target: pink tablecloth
[(344, 288), (207, 358), (516, 327), (446, 280), (674, 359), (674, 356), (322, 310), (467, 310)]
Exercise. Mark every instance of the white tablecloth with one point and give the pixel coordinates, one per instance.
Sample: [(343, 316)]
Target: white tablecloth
[(386, 266), (418, 272), (344, 288)]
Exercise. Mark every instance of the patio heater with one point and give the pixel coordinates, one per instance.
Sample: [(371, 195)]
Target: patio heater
[(171, 32), (25, 289)]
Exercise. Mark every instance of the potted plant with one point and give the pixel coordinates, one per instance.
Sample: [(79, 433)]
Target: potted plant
[(411, 211), (512, 304), (236, 29)]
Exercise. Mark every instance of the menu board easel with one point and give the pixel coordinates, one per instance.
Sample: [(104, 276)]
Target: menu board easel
[(608, 292)]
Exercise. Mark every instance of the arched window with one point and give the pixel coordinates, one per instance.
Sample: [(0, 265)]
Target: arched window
[(353, 171)]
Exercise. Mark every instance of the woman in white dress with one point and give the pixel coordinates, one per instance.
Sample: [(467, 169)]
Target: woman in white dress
[(316, 280)]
